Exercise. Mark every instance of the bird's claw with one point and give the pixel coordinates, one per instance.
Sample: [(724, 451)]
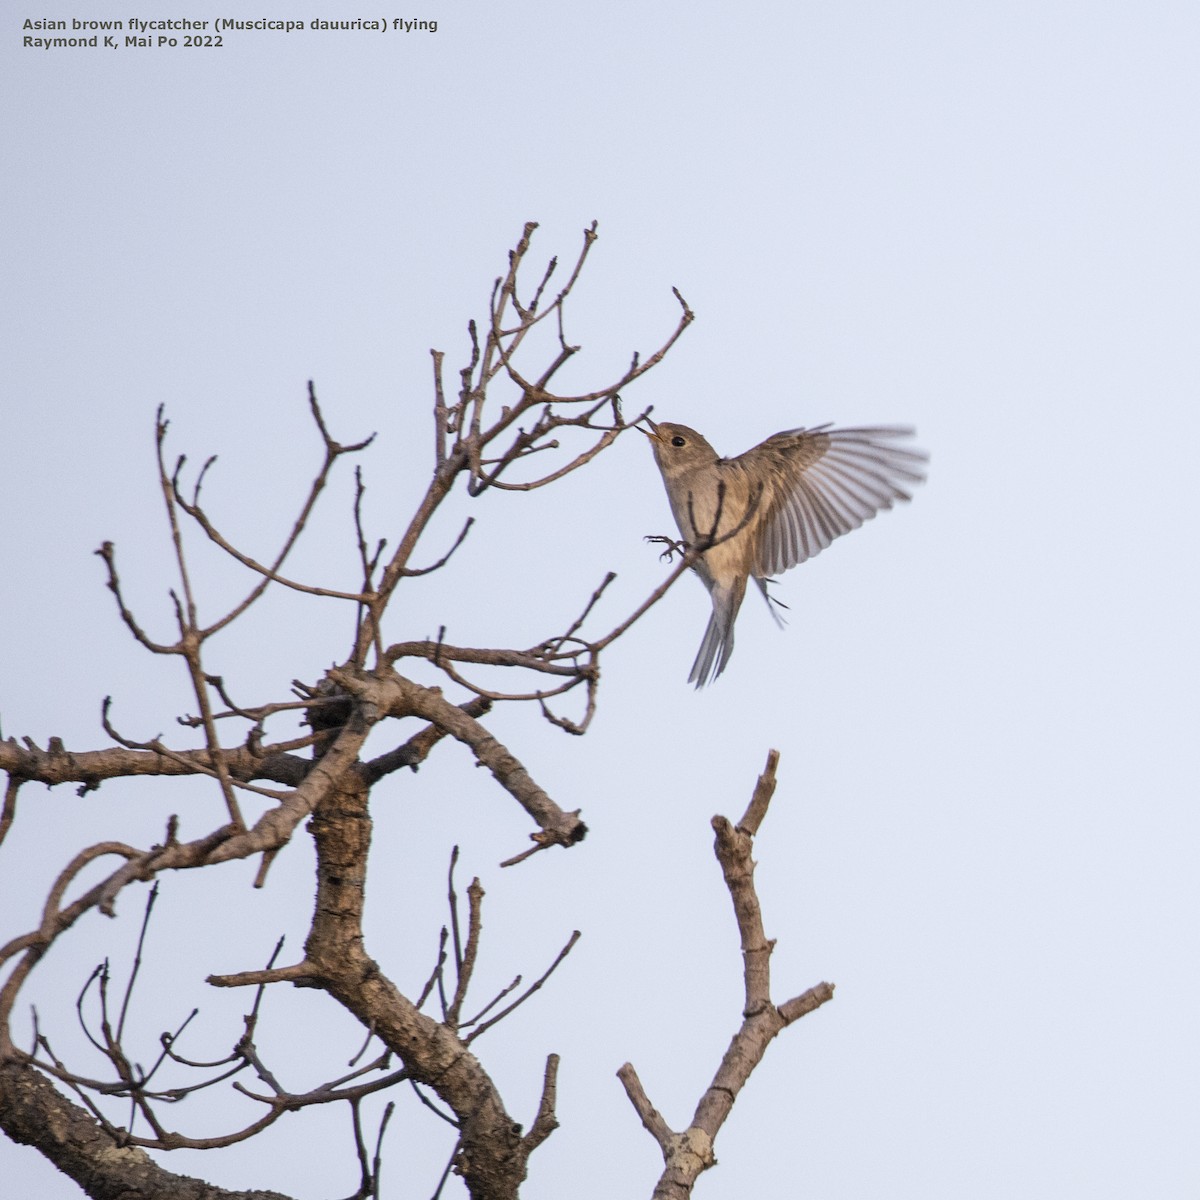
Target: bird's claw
[(673, 546)]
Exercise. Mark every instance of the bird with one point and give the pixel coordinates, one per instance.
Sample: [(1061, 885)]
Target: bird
[(773, 507)]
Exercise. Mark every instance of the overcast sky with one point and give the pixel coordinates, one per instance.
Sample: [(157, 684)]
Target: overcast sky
[(980, 219)]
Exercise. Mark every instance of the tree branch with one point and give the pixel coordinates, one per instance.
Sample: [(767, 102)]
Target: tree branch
[(33, 1113), (687, 1154), (391, 694)]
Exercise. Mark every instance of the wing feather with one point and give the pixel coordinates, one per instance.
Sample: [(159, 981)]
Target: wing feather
[(824, 482)]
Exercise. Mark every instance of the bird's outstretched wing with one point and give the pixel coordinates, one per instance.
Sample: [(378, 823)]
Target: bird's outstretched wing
[(826, 482)]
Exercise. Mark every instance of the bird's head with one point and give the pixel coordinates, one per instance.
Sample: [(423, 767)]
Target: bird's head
[(677, 448)]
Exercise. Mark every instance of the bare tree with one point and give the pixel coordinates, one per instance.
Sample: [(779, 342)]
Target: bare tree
[(96, 1128)]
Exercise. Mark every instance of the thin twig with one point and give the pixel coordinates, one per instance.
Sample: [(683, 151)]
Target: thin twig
[(137, 959), (529, 991)]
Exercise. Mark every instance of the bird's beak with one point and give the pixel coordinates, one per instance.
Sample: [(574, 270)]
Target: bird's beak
[(653, 435)]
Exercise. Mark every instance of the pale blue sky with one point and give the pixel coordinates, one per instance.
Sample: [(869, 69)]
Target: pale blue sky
[(980, 219)]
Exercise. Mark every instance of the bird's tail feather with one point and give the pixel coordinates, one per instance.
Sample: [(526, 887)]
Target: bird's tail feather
[(717, 644)]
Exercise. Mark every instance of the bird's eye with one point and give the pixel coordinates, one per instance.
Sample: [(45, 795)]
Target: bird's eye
[(678, 441)]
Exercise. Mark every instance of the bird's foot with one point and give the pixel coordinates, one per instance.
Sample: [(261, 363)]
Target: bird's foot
[(673, 546)]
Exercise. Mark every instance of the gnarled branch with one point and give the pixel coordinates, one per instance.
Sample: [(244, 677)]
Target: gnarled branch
[(688, 1153)]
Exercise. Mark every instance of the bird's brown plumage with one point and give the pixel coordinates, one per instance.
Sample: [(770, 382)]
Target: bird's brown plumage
[(791, 495)]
